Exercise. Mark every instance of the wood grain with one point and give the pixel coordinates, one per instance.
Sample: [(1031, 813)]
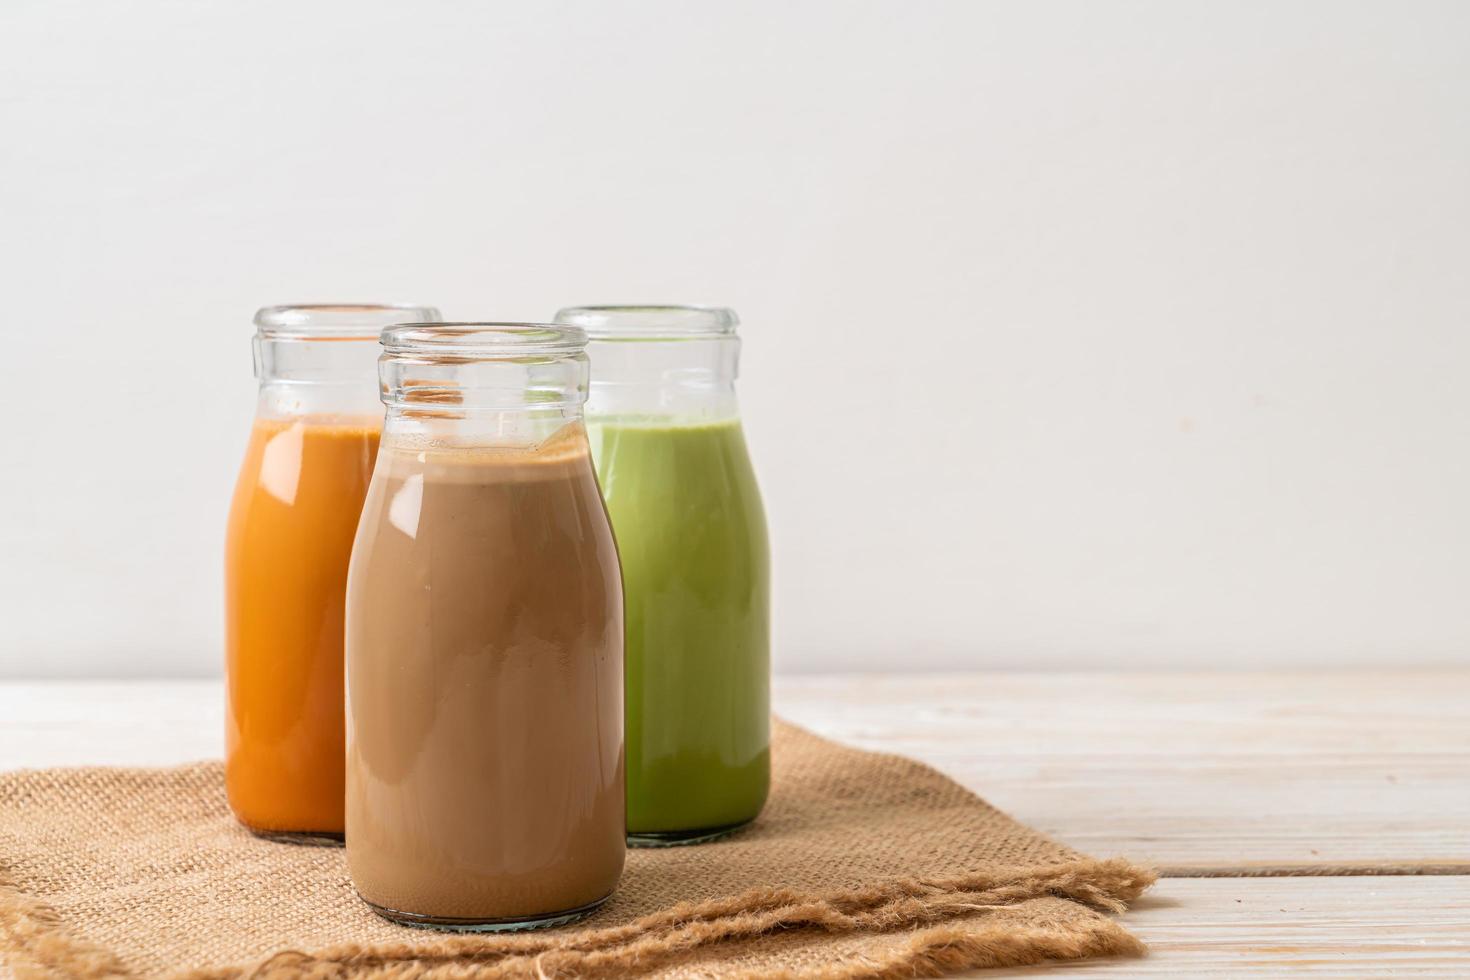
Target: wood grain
[(1197, 773), (110, 723), (1270, 927)]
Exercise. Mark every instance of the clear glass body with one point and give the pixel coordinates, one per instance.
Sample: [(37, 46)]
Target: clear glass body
[(677, 478), (484, 640), (290, 531)]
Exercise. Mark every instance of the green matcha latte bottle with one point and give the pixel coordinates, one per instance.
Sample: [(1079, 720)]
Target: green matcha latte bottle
[(671, 459)]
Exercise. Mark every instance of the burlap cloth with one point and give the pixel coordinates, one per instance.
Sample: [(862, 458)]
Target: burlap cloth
[(863, 865)]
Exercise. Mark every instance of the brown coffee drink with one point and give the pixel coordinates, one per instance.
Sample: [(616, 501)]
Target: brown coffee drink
[(484, 686)]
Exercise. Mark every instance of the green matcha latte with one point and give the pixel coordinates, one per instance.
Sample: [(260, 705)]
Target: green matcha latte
[(696, 576), (677, 479)]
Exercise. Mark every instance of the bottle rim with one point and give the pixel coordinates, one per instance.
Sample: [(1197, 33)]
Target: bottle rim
[(337, 321), (651, 321), (483, 340)]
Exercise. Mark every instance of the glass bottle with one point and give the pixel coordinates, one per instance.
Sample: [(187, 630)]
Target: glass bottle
[(290, 534), (674, 470), (484, 639)]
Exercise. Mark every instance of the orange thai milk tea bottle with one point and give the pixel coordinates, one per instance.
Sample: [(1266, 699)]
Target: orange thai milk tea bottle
[(291, 525)]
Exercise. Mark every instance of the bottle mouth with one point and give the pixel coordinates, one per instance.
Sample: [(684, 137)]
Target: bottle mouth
[(483, 341), (337, 321), (652, 321)]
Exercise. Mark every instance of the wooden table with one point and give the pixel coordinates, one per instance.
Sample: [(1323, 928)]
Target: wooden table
[(1307, 823)]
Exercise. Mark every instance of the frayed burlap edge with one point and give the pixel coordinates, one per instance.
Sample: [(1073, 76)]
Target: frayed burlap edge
[(998, 937), (644, 944), (42, 949)]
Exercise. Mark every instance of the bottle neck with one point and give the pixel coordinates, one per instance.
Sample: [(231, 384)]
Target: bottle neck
[(674, 379), (412, 427), (317, 377), (474, 403)]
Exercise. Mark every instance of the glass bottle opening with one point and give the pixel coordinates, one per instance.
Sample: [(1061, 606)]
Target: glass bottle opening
[(652, 322), (337, 321), (452, 371), (483, 340)]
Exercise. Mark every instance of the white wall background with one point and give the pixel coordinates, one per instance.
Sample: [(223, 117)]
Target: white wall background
[(1078, 334)]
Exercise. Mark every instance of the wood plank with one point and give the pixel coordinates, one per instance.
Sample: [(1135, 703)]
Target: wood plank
[(110, 723), (1196, 773), (1258, 927), (1200, 774)]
